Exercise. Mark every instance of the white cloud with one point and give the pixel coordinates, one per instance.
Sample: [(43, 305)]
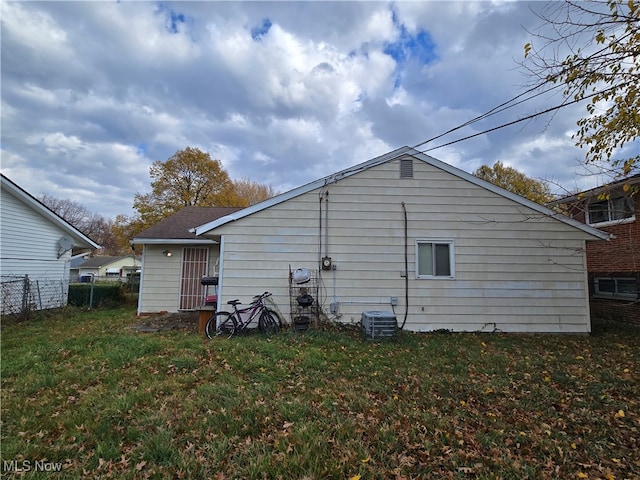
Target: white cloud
[(34, 29), (100, 90)]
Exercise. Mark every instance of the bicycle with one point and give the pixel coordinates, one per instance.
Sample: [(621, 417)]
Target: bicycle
[(238, 321)]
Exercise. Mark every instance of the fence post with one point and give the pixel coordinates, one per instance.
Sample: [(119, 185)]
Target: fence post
[(25, 294), (91, 293), (39, 306)]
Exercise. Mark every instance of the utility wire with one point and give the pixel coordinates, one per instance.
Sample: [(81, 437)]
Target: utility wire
[(528, 117), (499, 108), (509, 103)]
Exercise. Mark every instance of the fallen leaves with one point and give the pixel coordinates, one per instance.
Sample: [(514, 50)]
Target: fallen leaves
[(332, 406)]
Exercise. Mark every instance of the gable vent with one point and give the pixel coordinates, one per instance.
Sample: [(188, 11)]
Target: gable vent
[(406, 168)]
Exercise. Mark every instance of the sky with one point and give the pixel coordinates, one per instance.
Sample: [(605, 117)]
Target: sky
[(282, 93)]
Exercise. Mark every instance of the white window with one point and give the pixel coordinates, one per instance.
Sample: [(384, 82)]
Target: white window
[(616, 287), (435, 259), (112, 272), (611, 210)]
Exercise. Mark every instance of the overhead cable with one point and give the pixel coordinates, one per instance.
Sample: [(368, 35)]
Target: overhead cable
[(528, 117)]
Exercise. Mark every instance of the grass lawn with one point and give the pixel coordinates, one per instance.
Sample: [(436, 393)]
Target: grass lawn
[(84, 393)]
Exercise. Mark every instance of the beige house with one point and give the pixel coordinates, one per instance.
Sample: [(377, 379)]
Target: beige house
[(402, 233), (174, 261), (103, 267)]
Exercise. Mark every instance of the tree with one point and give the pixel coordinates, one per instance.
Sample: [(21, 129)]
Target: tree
[(188, 177), (93, 225), (125, 228), (516, 182), (250, 192), (593, 52)]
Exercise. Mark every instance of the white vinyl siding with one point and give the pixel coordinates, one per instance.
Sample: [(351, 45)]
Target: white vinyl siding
[(29, 243), (515, 269)]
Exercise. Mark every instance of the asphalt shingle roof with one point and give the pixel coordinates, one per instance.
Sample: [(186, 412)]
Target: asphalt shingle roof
[(102, 260), (177, 226)]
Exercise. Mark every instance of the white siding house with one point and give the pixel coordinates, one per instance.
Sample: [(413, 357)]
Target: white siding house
[(37, 243), (406, 232)]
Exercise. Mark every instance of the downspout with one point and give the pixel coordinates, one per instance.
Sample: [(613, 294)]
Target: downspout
[(142, 271), (220, 273), (406, 266)]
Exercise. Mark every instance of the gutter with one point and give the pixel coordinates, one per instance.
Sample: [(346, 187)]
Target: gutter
[(173, 241)]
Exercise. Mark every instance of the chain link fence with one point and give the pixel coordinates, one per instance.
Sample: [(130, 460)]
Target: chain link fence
[(20, 294)]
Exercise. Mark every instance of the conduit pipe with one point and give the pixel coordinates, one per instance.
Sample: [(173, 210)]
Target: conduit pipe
[(406, 266), (320, 231), (326, 224)]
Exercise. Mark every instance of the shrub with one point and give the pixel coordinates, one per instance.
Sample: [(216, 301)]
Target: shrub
[(104, 294)]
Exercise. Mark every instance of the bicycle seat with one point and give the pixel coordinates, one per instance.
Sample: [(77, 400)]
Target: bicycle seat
[(234, 302)]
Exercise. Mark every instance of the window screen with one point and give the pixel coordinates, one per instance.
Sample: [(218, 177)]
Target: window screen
[(435, 259)]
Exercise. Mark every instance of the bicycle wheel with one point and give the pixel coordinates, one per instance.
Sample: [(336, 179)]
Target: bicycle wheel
[(220, 323), (268, 324), (276, 316)]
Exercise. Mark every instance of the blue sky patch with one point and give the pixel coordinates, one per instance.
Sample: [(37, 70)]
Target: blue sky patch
[(258, 32), (419, 47), (173, 19)]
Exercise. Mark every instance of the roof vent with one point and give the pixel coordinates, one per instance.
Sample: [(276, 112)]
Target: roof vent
[(406, 168)]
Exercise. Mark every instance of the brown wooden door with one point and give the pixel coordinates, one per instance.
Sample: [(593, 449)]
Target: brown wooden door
[(195, 262)]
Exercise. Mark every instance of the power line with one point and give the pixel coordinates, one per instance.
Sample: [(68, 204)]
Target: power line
[(498, 109), (528, 117)]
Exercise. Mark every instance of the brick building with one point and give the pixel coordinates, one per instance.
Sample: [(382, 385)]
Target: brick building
[(614, 265)]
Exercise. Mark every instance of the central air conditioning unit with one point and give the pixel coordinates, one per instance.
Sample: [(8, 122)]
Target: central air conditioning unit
[(379, 325)]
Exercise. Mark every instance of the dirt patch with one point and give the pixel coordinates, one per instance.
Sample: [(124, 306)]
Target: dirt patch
[(187, 321)]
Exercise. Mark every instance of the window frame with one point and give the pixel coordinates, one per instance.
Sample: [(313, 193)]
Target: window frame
[(610, 211), (435, 241), (615, 294)]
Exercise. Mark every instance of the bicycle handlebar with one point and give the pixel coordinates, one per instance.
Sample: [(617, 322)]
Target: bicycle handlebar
[(262, 296)]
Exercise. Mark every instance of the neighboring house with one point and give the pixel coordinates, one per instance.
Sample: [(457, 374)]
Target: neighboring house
[(614, 266), (35, 251), (174, 261), (74, 265), (108, 268), (409, 233)]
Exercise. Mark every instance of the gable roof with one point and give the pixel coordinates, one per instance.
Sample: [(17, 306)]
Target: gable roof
[(103, 260), (77, 260), (80, 239), (393, 155), (177, 228)]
